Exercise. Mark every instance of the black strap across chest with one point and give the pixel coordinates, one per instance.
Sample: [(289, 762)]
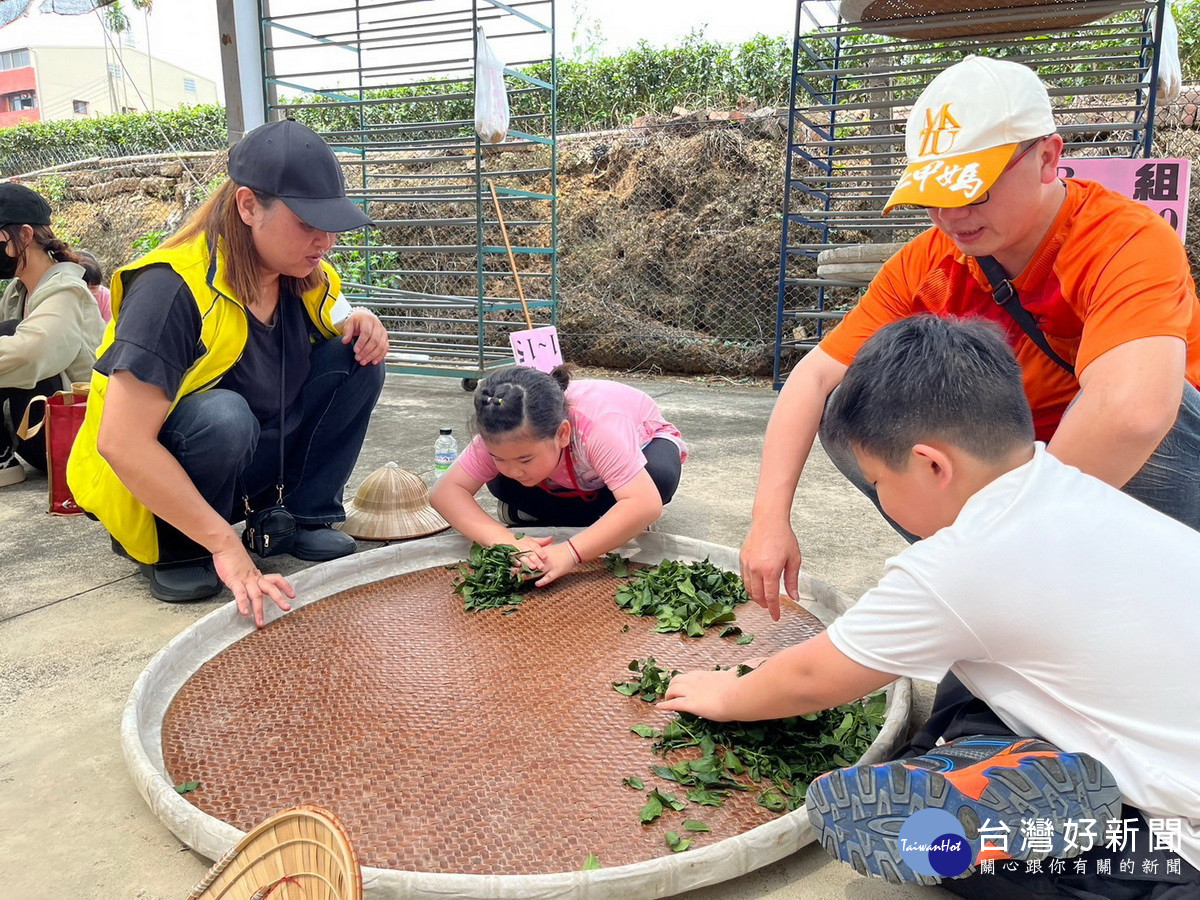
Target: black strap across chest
[(1005, 295)]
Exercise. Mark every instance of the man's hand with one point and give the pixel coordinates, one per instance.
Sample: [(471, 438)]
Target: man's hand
[(250, 586), (768, 552), (372, 344), (702, 694)]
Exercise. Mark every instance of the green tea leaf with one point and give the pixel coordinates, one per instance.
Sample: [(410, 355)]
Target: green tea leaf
[(652, 809), (187, 787), (695, 825), (617, 564), (746, 639), (590, 863), (772, 800), (676, 843), (644, 731), (634, 782), (487, 581), (705, 797), (688, 597), (668, 800)]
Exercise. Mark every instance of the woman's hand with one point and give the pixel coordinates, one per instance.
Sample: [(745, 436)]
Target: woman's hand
[(559, 560), (372, 344), (250, 586)]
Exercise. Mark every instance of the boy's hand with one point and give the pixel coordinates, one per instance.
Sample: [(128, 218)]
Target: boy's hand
[(703, 694), (559, 561)]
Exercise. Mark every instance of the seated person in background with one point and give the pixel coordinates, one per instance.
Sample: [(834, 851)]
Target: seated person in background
[(231, 345), (93, 277), (559, 452), (49, 325), (1063, 603)]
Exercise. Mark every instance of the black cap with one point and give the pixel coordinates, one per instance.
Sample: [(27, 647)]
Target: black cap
[(21, 206), (290, 161)]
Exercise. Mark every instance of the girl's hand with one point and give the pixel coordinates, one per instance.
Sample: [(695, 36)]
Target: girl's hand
[(372, 344), (531, 552), (250, 586), (559, 560)]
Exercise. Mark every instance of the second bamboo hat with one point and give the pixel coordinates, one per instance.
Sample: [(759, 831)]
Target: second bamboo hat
[(392, 504)]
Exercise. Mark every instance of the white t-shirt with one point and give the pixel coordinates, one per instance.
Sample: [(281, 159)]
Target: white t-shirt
[(1073, 610)]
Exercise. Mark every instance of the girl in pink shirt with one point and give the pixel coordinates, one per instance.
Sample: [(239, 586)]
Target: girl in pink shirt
[(560, 452)]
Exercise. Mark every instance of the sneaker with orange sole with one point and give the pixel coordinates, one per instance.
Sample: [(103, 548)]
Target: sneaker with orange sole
[(991, 785)]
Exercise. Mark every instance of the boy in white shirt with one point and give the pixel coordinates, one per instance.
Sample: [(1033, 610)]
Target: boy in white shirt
[(1063, 604)]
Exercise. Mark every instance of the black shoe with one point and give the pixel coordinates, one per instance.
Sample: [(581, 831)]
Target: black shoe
[(195, 579), (319, 543), (509, 515)]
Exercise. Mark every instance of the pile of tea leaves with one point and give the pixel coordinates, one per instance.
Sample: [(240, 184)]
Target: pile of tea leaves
[(487, 579), (780, 756), (687, 597)]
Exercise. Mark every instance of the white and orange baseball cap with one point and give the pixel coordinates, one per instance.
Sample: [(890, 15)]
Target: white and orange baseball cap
[(964, 129)]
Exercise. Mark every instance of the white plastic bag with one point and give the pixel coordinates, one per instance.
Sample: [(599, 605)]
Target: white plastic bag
[(1170, 73), (491, 96)]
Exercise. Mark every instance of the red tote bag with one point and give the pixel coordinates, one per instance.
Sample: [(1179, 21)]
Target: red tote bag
[(62, 421)]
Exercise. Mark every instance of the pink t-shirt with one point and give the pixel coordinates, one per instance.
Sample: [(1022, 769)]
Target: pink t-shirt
[(610, 424), (104, 302)]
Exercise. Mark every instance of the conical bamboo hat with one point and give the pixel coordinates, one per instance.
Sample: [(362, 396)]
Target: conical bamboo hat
[(299, 853), (392, 504)]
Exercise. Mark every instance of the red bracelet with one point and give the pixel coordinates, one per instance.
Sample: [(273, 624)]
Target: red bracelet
[(574, 552)]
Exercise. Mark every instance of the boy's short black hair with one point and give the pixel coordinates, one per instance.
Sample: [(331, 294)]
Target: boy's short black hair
[(931, 378)]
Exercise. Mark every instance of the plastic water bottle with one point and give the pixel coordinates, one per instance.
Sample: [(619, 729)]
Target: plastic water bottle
[(445, 452)]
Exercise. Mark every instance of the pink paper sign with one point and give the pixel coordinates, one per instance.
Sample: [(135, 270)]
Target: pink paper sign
[(537, 348), (1161, 184)]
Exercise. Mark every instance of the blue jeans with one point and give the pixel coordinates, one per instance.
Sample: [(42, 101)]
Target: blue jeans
[(1169, 481), (215, 437)]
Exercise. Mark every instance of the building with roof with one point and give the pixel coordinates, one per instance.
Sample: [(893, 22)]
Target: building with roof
[(69, 67)]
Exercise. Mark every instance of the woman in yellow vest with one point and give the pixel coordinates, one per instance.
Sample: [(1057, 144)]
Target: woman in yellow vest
[(229, 347)]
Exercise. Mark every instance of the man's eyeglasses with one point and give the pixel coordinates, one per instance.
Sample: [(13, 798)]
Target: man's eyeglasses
[(987, 195)]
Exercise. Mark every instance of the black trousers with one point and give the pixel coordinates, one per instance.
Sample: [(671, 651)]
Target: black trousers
[(662, 462), (13, 402)]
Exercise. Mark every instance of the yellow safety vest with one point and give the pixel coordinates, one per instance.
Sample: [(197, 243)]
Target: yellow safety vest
[(223, 332)]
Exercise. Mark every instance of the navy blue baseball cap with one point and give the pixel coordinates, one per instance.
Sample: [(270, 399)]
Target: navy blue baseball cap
[(21, 206), (290, 161)]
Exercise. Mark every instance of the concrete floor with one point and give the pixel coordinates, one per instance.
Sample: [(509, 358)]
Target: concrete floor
[(77, 625)]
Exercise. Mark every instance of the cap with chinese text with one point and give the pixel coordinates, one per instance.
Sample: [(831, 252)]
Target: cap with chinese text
[(964, 129)]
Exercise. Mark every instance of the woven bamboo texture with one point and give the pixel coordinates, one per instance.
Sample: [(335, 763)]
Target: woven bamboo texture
[(298, 853), (452, 742)]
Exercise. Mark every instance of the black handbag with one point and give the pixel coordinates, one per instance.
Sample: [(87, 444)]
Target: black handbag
[(272, 529)]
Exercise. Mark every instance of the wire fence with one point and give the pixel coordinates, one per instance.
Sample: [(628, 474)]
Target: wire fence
[(668, 234), (669, 246)]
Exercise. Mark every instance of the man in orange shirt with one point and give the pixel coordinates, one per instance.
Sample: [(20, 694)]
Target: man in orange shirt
[(1106, 281), (1104, 323)]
